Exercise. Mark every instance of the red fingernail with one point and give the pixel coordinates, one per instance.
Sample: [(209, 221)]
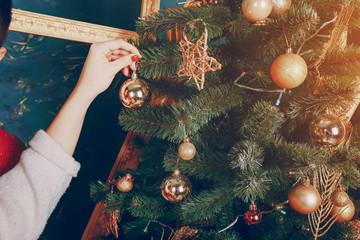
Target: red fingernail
[(135, 58)]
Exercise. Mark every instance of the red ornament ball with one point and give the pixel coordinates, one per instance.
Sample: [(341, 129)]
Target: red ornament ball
[(346, 213), (256, 10), (288, 70), (304, 198), (253, 215), (10, 151)]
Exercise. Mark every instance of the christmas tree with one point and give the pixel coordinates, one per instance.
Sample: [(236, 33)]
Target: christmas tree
[(253, 138)]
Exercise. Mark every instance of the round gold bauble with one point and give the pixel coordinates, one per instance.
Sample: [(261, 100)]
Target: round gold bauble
[(187, 150), (280, 6), (304, 198), (125, 184), (134, 93), (256, 10), (176, 188), (339, 198), (288, 70), (346, 213), (327, 130)]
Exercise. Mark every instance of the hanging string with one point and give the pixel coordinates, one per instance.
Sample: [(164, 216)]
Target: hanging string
[(286, 40), (255, 89), (317, 33)]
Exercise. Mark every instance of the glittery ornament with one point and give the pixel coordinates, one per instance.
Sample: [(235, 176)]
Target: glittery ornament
[(125, 184), (288, 70), (280, 6), (176, 188), (134, 92), (304, 198), (187, 150), (327, 130), (253, 215), (256, 10), (345, 213), (339, 198)]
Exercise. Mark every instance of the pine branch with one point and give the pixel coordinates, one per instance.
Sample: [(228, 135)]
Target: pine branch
[(98, 190), (169, 122), (246, 155), (298, 157), (115, 201), (252, 185), (160, 60), (173, 19), (205, 204), (207, 164), (149, 207), (297, 24), (342, 62), (261, 123)]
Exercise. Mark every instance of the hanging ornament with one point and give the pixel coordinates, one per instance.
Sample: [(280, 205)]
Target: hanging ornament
[(304, 197), (176, 188), (111, 223), (196, 61), (125, 184), (187, 150), (256, 10), (288, 70), (253, 215), (10, 151), (327, 130), (345, 213), (134, 92), (339, 197), (280, 7)]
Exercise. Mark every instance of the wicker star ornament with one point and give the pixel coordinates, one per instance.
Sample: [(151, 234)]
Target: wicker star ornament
[(196, 60)]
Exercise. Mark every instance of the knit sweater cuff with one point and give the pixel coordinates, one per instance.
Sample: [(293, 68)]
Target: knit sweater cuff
[(49, 149)]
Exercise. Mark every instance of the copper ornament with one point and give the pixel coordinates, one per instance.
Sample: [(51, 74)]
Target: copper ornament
[(345, 213), (304, 198)]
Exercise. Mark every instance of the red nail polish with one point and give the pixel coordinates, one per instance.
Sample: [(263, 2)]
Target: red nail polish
[(135, 58)]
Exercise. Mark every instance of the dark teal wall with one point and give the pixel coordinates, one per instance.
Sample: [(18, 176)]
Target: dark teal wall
[(36, 77)]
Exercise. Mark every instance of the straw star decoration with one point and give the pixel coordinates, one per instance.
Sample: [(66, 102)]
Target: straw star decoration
[(196, 60)]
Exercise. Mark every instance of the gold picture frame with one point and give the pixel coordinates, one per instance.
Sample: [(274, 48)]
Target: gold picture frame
[(56, 27)]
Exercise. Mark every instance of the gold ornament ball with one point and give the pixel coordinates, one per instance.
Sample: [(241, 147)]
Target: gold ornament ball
[(176, 188), (280, 7), (346, 213), (288, 70), (339, 198), (327, 130), (256, 10), (125, 184), (304, 198), (187, 150), (134, 93)]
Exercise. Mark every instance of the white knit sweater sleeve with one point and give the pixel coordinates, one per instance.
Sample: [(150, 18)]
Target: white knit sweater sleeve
[(30, 191)]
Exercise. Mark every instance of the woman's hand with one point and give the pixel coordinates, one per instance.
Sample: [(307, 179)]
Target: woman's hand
[(103, 62)]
